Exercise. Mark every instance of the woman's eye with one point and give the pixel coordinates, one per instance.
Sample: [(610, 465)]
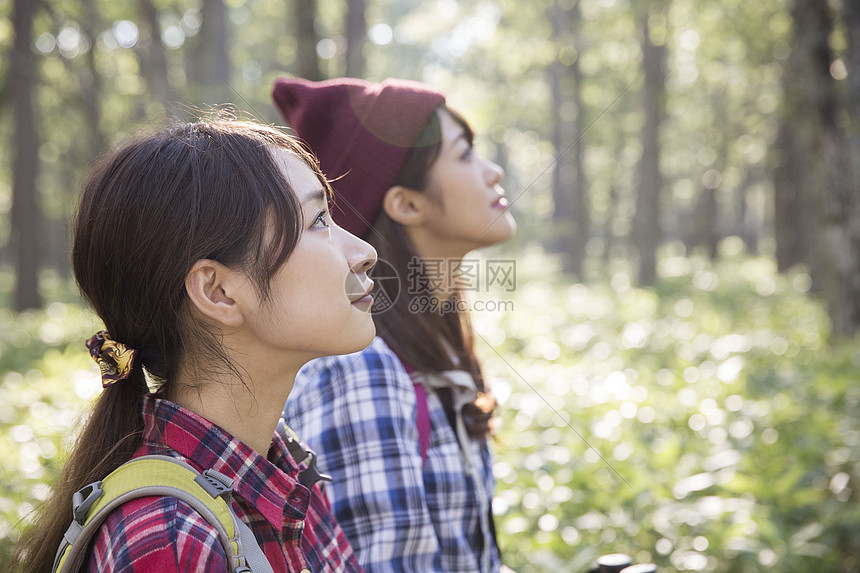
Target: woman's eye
[(321, 220), (467, 154)]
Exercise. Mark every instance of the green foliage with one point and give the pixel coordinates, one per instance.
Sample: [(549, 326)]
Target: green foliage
[(46, 381), (704, 425)]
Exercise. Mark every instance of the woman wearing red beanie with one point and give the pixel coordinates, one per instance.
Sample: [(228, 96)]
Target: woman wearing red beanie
[(403, 426)]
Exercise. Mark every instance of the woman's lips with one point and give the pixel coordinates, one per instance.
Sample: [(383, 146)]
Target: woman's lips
[(365, 299), (500, 203), (365, 303)]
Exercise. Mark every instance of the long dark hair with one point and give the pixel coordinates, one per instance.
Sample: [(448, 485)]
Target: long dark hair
[(424, 338), (147, 213)]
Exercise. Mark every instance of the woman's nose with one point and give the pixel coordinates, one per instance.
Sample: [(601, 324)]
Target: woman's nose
[(361, 256), (494, 172)]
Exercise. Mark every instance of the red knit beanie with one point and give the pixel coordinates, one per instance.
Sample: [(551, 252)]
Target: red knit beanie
[(361, 132)]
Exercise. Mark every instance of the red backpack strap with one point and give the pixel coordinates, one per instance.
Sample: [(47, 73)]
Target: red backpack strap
[(422, 417)]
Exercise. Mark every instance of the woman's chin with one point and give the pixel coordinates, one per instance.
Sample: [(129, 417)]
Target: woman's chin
[(361, 339), (499, 231)]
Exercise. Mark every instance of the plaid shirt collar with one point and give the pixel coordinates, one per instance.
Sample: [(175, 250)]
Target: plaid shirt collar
[(271, 485)]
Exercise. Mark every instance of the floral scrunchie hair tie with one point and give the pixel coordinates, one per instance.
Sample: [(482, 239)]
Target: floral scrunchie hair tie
[(115, 359)]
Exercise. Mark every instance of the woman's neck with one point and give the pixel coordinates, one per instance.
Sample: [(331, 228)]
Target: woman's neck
[(248, 407), (441, 271)]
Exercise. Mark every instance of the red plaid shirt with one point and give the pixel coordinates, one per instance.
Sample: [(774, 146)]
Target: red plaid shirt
[(293, 524)]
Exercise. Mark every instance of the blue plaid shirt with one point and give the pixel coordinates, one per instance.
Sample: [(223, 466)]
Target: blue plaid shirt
[(400, 513)]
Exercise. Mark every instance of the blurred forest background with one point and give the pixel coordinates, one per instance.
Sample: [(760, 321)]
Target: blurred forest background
[(686, 174)]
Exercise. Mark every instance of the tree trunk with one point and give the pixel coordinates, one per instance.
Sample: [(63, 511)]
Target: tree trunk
[(91, 85), (25, 212), (356, 37), (707, 218), (851, 20), (208, 63), (817, 208), (790, 220), (153, 61), (616, 239), (216, 35), (815, 179), (560, 134), (851, 158), (220, 44), (747, 229), (609, 238), (647, 222), (839, 201), (571, 213), (799, 179), (706, 221), (580, 203), (307, 39)]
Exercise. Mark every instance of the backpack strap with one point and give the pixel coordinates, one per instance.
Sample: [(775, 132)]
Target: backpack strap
[(208, 493), (422, 420), (422, 413)]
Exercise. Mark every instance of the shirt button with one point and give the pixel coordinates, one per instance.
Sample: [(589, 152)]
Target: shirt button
[(306, 570)]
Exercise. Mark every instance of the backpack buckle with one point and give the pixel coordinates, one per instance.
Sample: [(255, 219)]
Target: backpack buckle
[(214, 483), (311, 474), (83, 500)]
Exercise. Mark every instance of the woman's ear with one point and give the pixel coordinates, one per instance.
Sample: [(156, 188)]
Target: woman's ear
[(404, 205), (212, 288)]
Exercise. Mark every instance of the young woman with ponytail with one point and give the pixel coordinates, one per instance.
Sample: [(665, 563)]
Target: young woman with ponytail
[(208, 252), (403, 426)]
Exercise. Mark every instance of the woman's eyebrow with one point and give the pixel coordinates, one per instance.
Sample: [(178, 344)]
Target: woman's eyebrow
[(459, 136), (318, 196)]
